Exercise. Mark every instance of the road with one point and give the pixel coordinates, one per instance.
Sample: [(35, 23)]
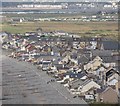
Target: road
[(23, 83)]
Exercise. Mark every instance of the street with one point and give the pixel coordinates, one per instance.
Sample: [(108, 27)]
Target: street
[(23, 83)]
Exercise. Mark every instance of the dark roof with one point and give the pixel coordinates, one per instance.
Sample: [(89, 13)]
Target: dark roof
[(83, 59), (111, 45), (16, 19), (33, 38), (105, 55), (74, 55), (36, 56), (55, 49), (117, 58), (46, 57), (60, 66), (101, 53), (100, 90), (75, 75), (86, 82), (108, 59), (76, 83)]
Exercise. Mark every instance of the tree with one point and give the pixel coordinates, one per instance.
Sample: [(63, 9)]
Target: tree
[(39, 29)]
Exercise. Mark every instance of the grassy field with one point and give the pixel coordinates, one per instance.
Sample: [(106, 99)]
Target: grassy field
[(109, 29), (35, 15)]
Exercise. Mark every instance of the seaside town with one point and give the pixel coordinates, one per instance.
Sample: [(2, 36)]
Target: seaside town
[(60, 52), (87, 67)]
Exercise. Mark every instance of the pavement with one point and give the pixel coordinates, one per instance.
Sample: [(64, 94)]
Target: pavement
[(23, 83)]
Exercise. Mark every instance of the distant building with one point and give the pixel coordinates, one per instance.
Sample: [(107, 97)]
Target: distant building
[(17, 20), (40, 6)]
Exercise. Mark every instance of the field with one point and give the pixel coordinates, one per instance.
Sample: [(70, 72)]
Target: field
[(108, 29), (35, 15)]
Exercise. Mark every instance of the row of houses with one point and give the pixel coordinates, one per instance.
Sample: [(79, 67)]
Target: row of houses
[(87, 67)]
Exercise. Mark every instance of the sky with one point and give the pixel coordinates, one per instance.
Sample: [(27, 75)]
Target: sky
[(57, 0)]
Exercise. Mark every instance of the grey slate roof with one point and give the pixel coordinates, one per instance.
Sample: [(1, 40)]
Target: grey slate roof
[(76, 84), (111, 45), (83, 59)]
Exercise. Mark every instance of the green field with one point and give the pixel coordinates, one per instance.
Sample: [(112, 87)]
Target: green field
[(108, 29), (48, 15)]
